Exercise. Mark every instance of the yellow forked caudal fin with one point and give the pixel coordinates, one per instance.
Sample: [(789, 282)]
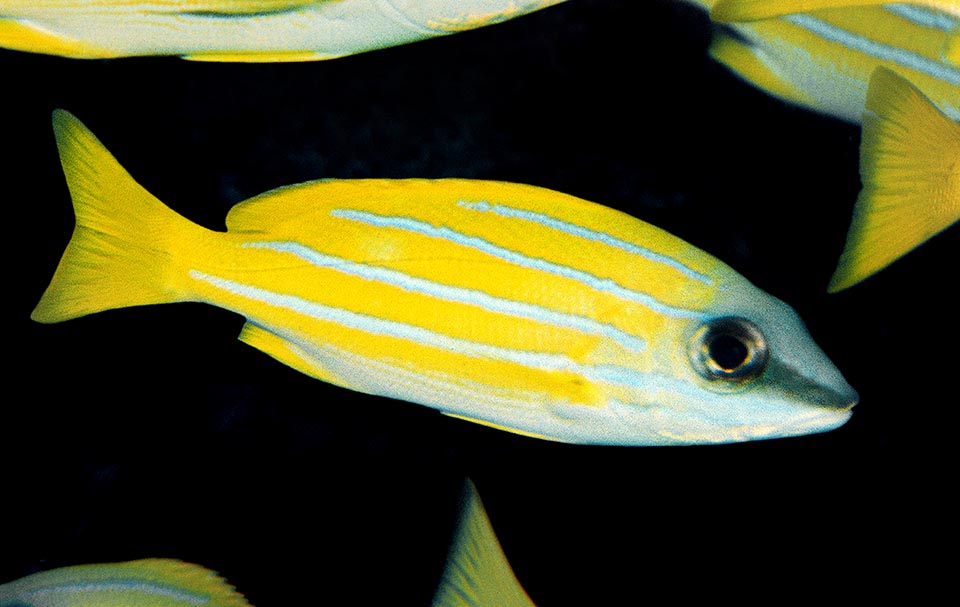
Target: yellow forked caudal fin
[(122, 249), (910, 169), (732, 11)]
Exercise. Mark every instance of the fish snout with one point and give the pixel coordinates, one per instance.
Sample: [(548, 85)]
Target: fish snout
[(825, 391)]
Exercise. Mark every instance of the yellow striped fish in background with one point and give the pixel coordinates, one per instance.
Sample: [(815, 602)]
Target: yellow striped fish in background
[(240, 30), (823, 59), (509, 305), (145, 583), (753, 10), (910, 168), (477, 573)]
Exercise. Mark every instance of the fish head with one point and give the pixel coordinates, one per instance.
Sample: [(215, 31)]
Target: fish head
[(746, 369)]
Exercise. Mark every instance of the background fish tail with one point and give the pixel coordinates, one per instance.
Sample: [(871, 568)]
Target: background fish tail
[(477, 572), (910, 168), (122, 252)]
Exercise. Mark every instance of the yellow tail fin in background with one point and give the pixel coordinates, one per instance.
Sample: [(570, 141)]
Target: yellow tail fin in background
[(477, 572), (910, 169), (122, 249)]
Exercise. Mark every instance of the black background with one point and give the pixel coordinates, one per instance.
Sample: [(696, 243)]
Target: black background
[(152, 432)]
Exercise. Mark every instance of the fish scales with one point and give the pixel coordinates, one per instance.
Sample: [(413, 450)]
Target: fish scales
[(508, 305), (525, 322)]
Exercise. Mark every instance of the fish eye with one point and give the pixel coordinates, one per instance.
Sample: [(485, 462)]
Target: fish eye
[(728, 348)]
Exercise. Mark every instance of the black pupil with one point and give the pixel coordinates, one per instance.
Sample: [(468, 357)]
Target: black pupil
[(728, 352)]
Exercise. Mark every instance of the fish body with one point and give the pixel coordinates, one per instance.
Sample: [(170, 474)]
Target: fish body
[(505, 304), (728, 11), (910, 169), (823, 59), (477, 573), (144, 583), (240, 30)]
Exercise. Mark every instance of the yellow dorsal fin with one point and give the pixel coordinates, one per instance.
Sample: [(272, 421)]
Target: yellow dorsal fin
[(731, 11), (156, 582), (477, 572), (910, 169)]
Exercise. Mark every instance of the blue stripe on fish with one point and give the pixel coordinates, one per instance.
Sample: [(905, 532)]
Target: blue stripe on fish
[(121, 586), (390, 328), (604, 285), (576, 230), (472, 297), (884, 52), (922, 16)]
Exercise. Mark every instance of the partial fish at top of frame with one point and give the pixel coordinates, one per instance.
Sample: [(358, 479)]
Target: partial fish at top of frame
[(240, 30)]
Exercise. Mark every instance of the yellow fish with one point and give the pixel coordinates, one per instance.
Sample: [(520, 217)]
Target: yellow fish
[(149, 582), (753, 10), (509, 305), (823, 59), (240, 30), (910, 169), (477, 573)]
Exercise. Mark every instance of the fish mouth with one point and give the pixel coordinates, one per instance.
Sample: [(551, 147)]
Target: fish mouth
[(822, 420), (837, 395)]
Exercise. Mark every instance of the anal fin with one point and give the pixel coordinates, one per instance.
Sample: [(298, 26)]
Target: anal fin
[(500, 427), (743, 60), (263, 57), (284, 351)]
